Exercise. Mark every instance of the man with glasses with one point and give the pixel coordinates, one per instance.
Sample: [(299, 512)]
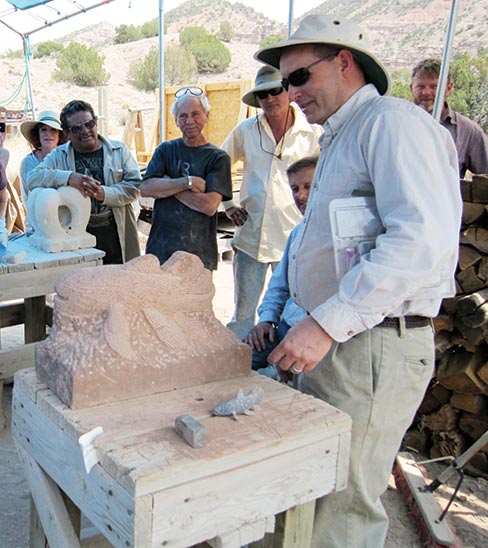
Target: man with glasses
[(366, 345), (102, 170), (267, 144), (188, 177)]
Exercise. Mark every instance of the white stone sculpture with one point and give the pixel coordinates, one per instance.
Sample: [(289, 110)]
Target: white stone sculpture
[(124, 331), (59, 218)]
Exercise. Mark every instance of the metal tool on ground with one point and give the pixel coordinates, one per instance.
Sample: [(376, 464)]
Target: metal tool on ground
[(419, 494)]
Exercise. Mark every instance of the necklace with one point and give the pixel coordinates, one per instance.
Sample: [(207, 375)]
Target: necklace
[(281, 142)]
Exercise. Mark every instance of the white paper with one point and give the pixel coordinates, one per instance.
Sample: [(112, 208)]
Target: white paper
[(88, 450)]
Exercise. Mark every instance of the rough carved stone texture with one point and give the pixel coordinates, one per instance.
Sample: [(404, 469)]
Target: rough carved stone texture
[(124, 331), (59, 218)]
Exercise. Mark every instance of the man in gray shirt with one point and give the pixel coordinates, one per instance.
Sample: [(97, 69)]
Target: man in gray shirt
[(470, 139)]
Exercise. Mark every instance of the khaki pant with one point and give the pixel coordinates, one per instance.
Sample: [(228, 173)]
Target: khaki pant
[(379, 378)]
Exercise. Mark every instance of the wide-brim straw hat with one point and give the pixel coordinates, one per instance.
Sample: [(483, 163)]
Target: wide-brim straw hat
[(334, 31), (266, 78), (46, 117)]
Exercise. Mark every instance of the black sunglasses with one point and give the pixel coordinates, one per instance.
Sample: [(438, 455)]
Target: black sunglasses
[(265, 92), (302, 75), (78, 128)]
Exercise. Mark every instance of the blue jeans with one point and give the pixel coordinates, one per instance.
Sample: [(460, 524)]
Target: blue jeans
[(249, 278), (260, 357)]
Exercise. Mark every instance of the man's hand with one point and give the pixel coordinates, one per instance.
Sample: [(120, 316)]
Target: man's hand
[(256, 338), (305, 344), (197, 184), (238, 215), (88, 186)]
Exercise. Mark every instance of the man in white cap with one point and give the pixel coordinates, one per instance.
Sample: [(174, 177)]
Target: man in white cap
[(267, 144), (366, 345)]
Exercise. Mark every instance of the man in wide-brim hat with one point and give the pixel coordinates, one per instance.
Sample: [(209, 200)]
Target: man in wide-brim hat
[(268, 144), (367, 345)]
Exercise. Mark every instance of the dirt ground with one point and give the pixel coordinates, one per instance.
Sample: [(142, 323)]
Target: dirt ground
[(468, 514)]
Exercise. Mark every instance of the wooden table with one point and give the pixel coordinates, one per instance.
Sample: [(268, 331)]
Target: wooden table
[(150, 488), (31, 280)]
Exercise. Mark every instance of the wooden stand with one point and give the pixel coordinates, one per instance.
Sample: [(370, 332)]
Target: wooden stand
[(31, 280), (150, 488)]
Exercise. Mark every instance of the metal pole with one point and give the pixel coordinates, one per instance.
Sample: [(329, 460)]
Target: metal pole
[(446, 60), (27, 54), (290, 18), (161, 73)]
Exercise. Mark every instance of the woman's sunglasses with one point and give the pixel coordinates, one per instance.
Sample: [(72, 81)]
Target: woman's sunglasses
[(302, 75), (265, 92)]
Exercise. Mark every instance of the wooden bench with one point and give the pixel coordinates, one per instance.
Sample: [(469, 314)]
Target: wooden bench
[(150, 488)]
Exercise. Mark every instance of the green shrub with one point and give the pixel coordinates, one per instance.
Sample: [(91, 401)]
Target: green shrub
[(211, 55), (179, 66), (127, 33), (44, 49), (191, 35), (209, 52), (80, 65), (265, 42), (226, 31), (150, 29)]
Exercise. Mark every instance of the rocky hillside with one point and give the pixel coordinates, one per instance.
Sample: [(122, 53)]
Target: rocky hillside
[(404, 30)]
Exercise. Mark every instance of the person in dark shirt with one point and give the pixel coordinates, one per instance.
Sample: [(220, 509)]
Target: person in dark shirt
[(188, 177), (104, 171)]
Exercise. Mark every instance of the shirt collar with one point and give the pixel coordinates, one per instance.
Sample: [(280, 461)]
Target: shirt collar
[(300, 122), (335, 122), (450, 114)]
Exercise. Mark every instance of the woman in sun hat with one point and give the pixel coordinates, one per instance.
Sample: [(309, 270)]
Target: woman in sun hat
[(43, 135)]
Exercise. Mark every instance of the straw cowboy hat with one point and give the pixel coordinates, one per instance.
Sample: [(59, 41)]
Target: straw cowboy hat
[(266, 78), (334, 31), (46, 117)]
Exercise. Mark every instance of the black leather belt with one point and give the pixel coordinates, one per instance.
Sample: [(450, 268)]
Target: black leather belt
[(410, 322)]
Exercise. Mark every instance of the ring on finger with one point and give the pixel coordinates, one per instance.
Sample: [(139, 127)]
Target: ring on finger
[(295, 370)]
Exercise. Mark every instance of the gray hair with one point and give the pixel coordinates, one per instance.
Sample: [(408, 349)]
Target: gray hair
[(182, 98)]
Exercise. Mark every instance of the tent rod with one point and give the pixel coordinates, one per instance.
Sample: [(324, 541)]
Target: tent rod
[(66, 17), (446, 60)]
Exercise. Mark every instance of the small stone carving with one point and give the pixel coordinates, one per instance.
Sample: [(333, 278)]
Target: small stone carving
[(241, 405), (59, 218), (123, 331)]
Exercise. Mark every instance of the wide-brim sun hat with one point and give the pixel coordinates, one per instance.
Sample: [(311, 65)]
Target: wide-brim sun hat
[(46, 117), (266, 78), (334, 31)]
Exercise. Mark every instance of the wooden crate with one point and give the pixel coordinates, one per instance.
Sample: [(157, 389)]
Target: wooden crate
[(151, 488)]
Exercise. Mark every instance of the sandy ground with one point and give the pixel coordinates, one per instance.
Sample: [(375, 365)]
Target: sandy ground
[(469, 513)]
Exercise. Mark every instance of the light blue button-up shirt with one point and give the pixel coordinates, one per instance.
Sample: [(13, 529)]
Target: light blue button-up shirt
[(390, 148), (277, 303)]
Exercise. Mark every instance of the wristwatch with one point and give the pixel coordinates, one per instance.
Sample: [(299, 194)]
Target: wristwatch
[(189, 182)]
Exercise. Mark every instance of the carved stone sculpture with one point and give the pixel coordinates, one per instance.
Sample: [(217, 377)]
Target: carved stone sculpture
[(123, 331), (59, 218)]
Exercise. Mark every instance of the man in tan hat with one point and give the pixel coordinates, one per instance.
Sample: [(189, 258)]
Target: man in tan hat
[(267, 144), (370, 272)]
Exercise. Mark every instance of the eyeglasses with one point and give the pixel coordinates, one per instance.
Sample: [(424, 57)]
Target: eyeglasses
[(302, 75), (264, 93), (192, 90), (78, 128)]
